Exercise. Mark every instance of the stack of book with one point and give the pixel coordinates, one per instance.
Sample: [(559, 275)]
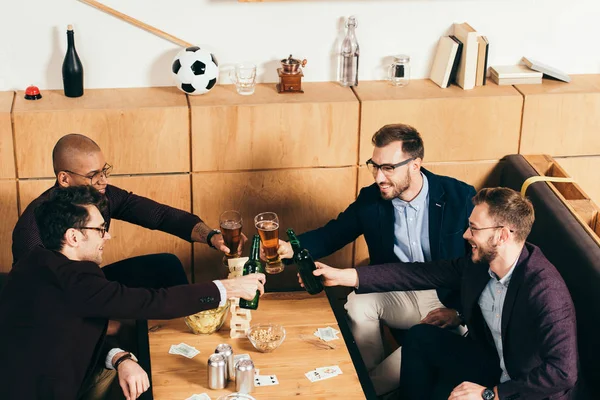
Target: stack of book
[(461, 58), (514, 75)]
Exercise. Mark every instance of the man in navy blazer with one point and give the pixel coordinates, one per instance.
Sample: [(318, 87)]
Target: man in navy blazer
[(56, 303), (522, 341), (409, 214)]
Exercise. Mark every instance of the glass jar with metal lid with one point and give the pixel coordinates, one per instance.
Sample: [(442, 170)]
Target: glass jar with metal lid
[(399, 70)]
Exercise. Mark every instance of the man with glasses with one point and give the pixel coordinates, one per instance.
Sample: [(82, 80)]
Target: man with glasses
[(409, 214), (522, 341), (55, 307), (79, 161)]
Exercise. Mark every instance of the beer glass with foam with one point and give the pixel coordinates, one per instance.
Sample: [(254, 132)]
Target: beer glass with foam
[(267, 225)]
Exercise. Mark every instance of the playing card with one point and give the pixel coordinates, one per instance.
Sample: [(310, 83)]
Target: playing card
[(265, 380), (315, 376), (327, 334), (202, 396), (332, 370)]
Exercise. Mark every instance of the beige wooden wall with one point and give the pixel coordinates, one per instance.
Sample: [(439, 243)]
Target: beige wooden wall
[(301, 156)]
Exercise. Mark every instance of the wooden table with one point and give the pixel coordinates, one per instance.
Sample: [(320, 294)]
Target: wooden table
[(176, 377)]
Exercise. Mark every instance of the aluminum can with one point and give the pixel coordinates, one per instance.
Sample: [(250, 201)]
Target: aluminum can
[(244, 376), (217, 371), (227, 352)]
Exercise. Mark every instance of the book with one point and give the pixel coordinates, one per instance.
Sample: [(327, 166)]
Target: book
[(443, 61), (467, 68), (454, 71), (481, 60), (514, 71), (514, 81), (546, 69)]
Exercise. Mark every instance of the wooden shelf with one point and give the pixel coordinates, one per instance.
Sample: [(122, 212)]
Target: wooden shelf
[(8, 216), (7, 157)]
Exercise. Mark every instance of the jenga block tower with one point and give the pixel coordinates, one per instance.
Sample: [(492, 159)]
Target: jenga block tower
[(240, 320)]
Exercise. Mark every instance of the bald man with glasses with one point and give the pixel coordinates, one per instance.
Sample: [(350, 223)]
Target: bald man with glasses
[(410, 215)]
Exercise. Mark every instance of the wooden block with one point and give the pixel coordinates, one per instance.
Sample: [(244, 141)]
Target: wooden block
[(130, 240), (583, 170), (562, 119), (303, 199), (8, 215), (270, 130), (140, 130), (456, 125), (7, 152)]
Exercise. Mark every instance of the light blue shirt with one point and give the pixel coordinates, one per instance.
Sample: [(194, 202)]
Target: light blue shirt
[(411, 227), (491, 303)]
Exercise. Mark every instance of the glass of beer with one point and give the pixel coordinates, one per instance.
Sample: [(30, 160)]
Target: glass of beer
[(231, 228), (267, 225)]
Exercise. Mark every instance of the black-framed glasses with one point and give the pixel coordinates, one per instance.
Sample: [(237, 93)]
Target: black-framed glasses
[(387, 169), (473, 229), (95, 177), (103, 229)]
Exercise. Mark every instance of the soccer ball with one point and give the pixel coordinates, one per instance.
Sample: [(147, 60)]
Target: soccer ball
[(195, 70)]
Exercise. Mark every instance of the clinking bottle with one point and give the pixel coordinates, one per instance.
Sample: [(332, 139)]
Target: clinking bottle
[(252, 266), (305, 264)]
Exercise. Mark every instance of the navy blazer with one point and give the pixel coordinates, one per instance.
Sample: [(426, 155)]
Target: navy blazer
[(370, 215), (53, 317), (539, 336)]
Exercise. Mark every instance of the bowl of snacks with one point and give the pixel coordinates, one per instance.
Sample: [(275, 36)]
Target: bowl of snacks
[(207, 322), (266, 337)]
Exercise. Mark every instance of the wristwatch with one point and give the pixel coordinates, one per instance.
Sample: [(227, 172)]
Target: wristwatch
[(488, 394), (126, 356), (210, 235)]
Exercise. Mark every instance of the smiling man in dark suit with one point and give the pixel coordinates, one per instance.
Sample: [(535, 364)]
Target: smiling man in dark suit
[(56, 303), (409, 214), (522, 341)]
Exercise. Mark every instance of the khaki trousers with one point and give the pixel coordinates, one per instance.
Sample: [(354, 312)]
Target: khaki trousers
[(100, 384), (398, 310)]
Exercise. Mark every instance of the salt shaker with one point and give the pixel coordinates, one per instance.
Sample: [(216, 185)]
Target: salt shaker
[(217, 372), (399, 71), (227, 352), (244, 376)]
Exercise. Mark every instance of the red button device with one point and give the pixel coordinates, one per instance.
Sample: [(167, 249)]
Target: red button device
[(32, 93)]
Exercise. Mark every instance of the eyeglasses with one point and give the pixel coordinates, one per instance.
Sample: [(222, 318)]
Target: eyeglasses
[(387, 169), (96, 176), (103, 229), (473, 230)]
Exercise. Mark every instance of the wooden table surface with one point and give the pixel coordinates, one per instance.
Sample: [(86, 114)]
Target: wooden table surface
[(176, 377)]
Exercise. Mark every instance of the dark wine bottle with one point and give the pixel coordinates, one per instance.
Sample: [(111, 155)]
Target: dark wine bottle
[(252, 266), (72, 69), (306, 265)]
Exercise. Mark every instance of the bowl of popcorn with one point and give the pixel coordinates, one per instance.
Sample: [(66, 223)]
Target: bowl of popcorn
[(207, 322), (266, 337)]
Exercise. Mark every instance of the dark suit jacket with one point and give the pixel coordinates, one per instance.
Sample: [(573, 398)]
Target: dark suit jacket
[(54, 314), (539, 335), (450, 206), (122, 205)]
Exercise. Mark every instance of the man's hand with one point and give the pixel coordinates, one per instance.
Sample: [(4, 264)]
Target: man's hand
[(469, 391), (132, 379), (245, 286), (442, 317), (284, 250), (219, 243), (334, 276)]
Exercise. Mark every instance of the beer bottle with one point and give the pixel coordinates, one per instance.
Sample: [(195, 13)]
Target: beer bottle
[(305, 264), (253, 265)]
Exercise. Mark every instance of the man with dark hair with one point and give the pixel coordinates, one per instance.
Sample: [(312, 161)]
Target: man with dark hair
[(77, 161), (55, 306), (522, 341), (409, 214)]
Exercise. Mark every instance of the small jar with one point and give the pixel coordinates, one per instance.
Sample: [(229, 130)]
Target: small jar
[(399, 71)]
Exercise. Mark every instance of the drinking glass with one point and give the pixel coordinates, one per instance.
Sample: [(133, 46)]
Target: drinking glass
[(244, 77), (267, 225), (231, 228)]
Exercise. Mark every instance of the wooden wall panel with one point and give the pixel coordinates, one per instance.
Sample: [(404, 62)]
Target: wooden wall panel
[(143, 130), (8, 216), (270, 130), (562, 119), (130, 240), (480, 174), (456, 124), (303, 199), (584, 171), (7, 155)]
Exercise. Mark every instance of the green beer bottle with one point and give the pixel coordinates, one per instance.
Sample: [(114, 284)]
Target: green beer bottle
[(253, 265), (305, 264)]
